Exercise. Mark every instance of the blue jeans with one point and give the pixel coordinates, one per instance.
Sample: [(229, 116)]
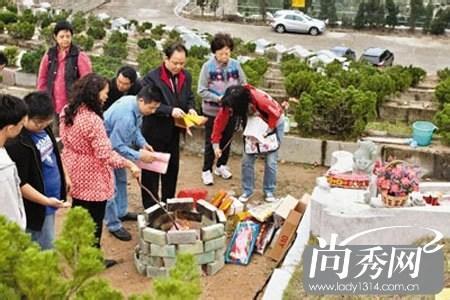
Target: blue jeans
[(117, 207), (270, 168), (46, 235)]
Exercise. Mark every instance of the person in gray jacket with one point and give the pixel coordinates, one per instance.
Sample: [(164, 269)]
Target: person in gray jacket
[(217, 74), (13, 113)]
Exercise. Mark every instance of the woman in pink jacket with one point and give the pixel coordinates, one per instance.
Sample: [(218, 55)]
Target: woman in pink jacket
[(61, 66), (87, 153)]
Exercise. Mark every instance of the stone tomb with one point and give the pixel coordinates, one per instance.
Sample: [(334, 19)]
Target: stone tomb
[(201, 233)]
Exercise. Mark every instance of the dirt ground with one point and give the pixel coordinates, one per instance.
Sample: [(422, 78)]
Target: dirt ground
[(233, 281)]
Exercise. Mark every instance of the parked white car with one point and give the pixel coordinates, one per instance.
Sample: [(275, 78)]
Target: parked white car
[(296, 21)]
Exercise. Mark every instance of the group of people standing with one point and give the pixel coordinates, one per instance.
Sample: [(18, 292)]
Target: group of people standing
[(107, 126)]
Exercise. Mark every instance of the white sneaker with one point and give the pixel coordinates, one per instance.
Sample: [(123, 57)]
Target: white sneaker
[(244, 198), (207, 178), (223, 171), (270, 198)]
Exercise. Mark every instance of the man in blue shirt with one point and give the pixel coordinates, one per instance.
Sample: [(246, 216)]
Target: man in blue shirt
[(123, 122)]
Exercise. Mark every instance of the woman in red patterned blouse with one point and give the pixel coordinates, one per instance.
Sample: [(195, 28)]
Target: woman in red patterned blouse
[(87, 153)]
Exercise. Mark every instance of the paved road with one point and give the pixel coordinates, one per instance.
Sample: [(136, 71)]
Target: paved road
[(430, 53)]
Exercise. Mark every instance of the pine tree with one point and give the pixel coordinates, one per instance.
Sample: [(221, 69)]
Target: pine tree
[(70, 270), (416, 7), (440, 21), (428, 13), (380, 19), (332, 16), (324, 4), (371, 12), (360, 18), (392, 11), (202, 4)]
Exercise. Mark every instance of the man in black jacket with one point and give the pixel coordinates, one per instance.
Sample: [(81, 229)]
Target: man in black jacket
[(159, 129), (42, 178), (125, 83)]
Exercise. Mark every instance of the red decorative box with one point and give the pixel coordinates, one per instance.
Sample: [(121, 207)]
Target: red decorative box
[(348, 180)]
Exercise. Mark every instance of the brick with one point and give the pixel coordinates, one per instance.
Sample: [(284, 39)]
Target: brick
[(169, 262), (207, 221), (140, 266), (182, 236), (215, 244), (154, 236), (214, 267), (157, 272), (207, 209), (141, 224), (205, 258), (153, 212), (212, 232), (196, 248), (163, 251), (155, 261), (144, 247), (221, 218), (220, 254), (184, 204)]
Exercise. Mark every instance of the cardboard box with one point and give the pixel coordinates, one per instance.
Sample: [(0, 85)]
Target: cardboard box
[(284, 240), (287, 204)]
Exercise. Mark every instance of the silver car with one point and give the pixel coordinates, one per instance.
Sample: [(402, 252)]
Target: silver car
[(296, 21)]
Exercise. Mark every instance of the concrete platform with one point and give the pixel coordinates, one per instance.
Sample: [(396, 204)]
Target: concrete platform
[(344, 212)]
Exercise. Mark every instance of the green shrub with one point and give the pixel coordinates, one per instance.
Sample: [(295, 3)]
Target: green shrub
[(291, 64), (443, 74), (134, 22), (146, 43), (442, 91), (442, 121), (11, 54), (198, 52), (170, 42), (79, 22), (401, 76), (148, 59), (117, 37), (2, 27), (118, 50), (147, 25), (85, 42), (71, 270), (418, 74), (194, 65), (31, 60), (61, 16), (96, 28), (21, 30), (159, 30), (47, 35), (27, 16), (298, 83), (381, 84), (105, 65), (8, 17), (44, 19), (255, 69), (174, 35), (330, 109), (244, 49)]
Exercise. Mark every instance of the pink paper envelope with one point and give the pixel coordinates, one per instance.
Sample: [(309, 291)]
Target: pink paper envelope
[(159, 165)]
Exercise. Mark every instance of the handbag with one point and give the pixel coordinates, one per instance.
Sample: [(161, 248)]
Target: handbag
[(269, 144)]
